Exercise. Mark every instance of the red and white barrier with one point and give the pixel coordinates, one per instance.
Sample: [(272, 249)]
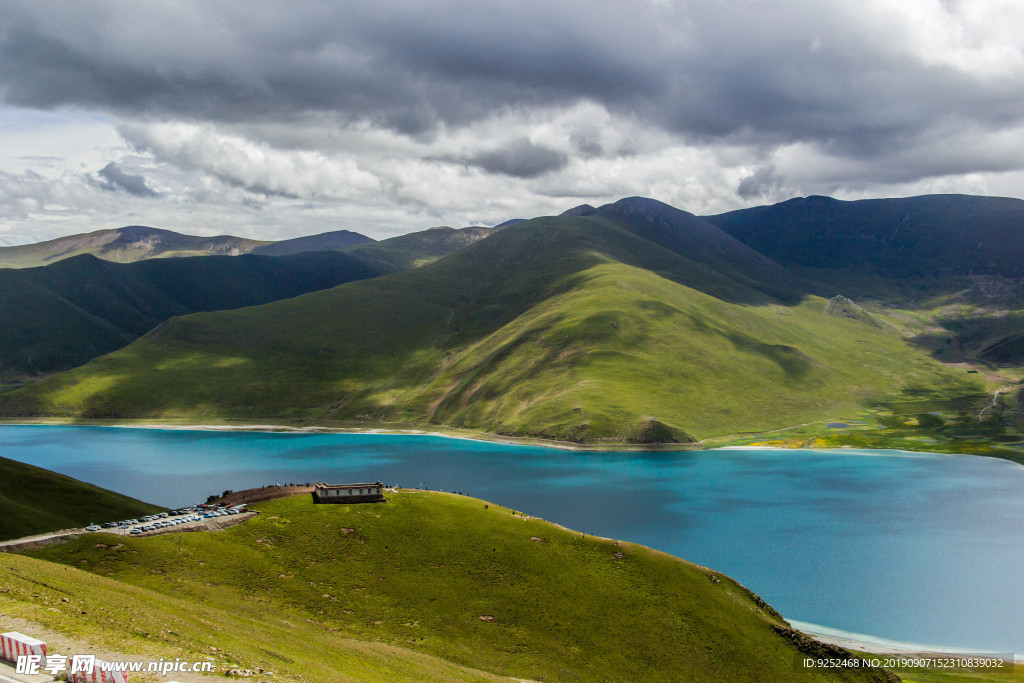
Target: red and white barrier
[(98, 675), (14, 645)]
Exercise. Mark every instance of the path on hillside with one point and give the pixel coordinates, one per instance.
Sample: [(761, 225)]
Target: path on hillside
[(995, 402), (741, 435), (39, 539)]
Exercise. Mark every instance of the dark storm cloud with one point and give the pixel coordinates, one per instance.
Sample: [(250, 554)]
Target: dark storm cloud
[(759, 183), (114, 178), (761, 74), (408, 68), (521, 159)]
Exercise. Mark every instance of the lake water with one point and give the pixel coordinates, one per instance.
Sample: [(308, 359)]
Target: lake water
[(912, 547)]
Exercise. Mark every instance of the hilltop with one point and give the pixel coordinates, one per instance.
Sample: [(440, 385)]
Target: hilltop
[(138, 242), (124, 245), (930, 237), (448, 587), (418, 248), (34, 501)]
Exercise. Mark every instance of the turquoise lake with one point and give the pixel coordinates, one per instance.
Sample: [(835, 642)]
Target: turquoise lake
[(911, 547)]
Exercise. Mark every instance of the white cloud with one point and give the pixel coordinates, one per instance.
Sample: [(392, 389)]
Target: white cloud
[(303, 174), (978, 37)]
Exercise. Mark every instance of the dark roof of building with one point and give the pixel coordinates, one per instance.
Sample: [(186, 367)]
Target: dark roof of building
[(347, 486)]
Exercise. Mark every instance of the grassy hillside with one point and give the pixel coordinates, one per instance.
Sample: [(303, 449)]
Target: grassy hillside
[(338, 239), (932, 236), (60, 316), (418, 248), (430, 575), (595, 328), (34, 500), (124, 245)]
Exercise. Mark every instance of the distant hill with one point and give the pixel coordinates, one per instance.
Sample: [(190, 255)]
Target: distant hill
[(34, 501), (958, 259), (136, 243), (60, 316), (933, 236), (124, 245), (339, 239), (636, 323), (418, 248)]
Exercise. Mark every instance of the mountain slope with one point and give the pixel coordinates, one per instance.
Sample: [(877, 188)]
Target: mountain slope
[(339, 239), (418, 248), (34, 501), (124, 245), (430, 575), (137, 242), (702, 242), (587, 328), (929, 236), (60, 316), (956, 260)]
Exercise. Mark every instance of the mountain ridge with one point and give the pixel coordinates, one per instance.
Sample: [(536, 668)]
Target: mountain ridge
[(133, 243), (59, 316), (590, 329), (920, 236)]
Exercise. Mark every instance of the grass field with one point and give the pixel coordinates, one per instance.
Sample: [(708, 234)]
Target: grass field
[(34, 500), (428, 577)]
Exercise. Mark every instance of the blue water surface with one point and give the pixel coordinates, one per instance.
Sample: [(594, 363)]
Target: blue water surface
[(912, 547)]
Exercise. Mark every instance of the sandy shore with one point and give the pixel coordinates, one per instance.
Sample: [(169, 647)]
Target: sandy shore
[(882, 646)]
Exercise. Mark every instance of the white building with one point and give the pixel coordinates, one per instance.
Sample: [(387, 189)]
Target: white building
[(349, 493)]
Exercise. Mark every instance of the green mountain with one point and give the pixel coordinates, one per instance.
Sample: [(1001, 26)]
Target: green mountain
[(60, 316), (958, 259), (635, 323), (34, 501), (928, 237), (339, 239), (427, 586), (418, 248)]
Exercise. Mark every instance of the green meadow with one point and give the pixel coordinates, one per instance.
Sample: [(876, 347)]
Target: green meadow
[(427, 586)]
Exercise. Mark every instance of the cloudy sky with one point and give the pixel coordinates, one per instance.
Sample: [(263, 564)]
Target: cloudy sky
[(275, 119)]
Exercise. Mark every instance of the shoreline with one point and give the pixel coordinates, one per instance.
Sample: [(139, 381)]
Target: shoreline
[(470, 435), (862, 642), (398, 429)]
